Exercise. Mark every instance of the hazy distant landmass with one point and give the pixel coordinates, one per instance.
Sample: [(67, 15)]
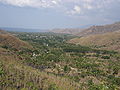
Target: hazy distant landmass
[(23, 29)]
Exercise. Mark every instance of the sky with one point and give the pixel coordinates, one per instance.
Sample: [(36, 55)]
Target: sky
[(50, 14)]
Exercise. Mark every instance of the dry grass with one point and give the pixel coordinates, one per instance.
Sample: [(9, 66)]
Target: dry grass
[(13, 42), (20, 76), (109, 41)]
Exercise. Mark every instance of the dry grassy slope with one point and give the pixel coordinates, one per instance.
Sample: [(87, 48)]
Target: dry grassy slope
[(18, 76), (108, 41), (11, 41)]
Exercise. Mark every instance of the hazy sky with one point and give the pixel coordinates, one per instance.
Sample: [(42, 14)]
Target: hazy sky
[(48, 14)]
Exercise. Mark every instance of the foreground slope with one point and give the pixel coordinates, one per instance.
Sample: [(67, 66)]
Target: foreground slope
[(109, 41), (15, 74)]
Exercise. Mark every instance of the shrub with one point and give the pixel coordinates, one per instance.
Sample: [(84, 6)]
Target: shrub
[(1, 70), (114, 80), (98, 87), (105, 57), (52, 87), (6, 47), (66, 68), (51, 57)]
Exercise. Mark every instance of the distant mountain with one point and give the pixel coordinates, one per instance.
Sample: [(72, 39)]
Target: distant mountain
[(67, 31), (100, 29), (91, 30), (23, 29)]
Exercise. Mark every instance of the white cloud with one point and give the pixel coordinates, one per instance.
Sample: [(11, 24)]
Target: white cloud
[(88, 6), (79, 6), (32, 3), (52, 3), (76, 10), (88, 1)]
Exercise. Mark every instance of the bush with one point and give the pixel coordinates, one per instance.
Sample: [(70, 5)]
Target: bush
[(114, 80), (52, 87), (105, 57), (66, 68), (6, 47), (51, 57), (1, 70), (98, 87)]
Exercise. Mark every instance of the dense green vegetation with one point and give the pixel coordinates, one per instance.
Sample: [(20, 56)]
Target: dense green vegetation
[(91, 69)]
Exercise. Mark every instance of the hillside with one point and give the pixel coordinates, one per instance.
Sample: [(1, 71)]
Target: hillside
[(107, 41), (14, 75), (9, 41), (53, 64), (100, 29)]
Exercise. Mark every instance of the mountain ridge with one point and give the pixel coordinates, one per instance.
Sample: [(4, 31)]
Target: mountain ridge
[(100, 29), (95, 29)]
